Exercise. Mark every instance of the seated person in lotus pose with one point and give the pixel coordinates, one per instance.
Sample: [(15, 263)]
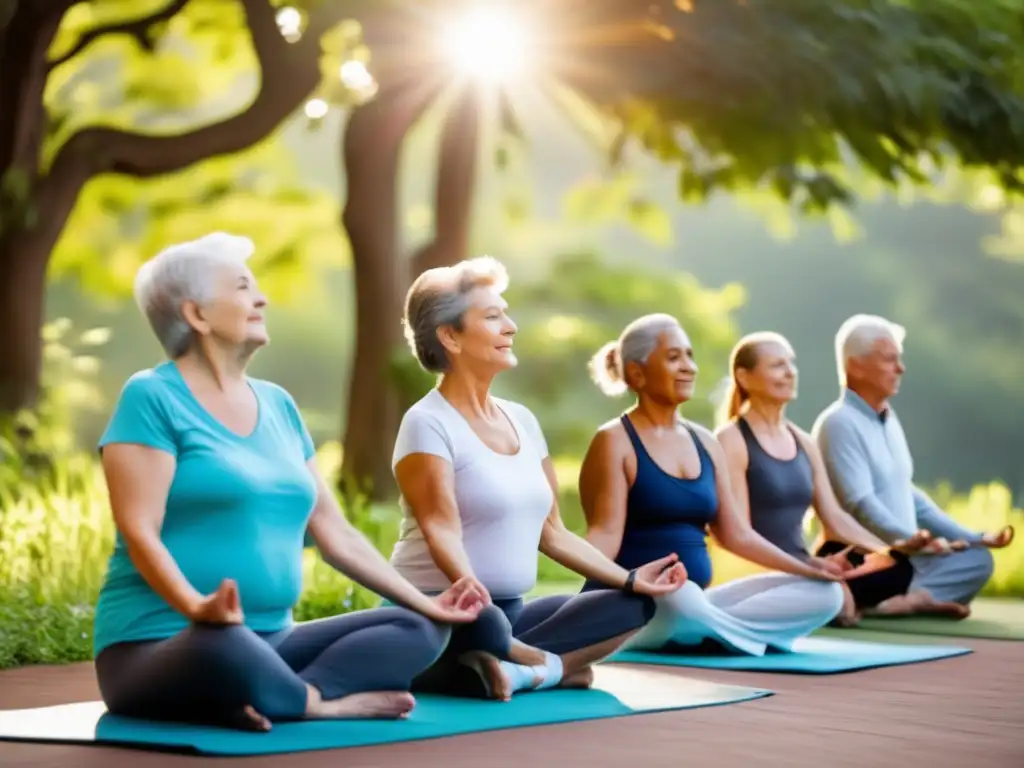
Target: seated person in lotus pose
[(213, 483), (777, 473), (651, 483), (870, 466), (479, 499)]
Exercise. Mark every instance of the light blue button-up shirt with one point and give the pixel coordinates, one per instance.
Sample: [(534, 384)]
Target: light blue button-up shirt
[(872, 472)]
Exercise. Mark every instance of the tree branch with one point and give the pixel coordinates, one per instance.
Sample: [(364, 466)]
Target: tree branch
[(289, 73), (140, 29)]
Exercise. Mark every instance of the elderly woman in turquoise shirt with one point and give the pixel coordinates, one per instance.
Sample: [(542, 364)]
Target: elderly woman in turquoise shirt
[(213, 486)]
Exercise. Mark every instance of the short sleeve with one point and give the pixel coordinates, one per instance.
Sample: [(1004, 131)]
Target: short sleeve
[(422, 432), (536, 435), (141, 416), (297, 423)]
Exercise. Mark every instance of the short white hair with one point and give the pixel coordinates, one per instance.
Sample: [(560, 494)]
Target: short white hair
[(179, 273), (858, 335), (638, 340), (440, 297)]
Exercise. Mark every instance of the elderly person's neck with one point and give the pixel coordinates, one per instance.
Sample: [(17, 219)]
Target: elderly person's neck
[(467, 390), (209, 364), (870, 395), (771, 413), (657, 412)]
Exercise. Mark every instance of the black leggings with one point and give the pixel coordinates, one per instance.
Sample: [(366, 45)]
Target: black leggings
[(208, 673), (557, 624), (873, 588)]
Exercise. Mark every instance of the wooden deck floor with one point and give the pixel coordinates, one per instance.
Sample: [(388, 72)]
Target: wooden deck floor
[(963, 712)]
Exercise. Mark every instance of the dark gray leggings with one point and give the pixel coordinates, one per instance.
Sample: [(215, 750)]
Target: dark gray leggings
[(558, 624), (208, 673)]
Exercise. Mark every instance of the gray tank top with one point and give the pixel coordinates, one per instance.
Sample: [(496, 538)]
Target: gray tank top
[(780, 493)]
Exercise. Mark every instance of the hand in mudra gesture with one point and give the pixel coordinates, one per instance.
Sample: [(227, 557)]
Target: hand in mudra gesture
[(221, 607), (660, 577)]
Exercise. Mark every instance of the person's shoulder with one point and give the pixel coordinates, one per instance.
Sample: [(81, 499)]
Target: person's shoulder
[(730, 438), (518, 410), (273, 390), (838, 414), (148, 385), (431, 409), (611, 434)]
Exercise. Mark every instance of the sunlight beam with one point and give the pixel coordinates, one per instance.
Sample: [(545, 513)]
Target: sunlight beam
[(489, 43)]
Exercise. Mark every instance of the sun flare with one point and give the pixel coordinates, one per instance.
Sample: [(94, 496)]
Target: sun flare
[(490, 43)]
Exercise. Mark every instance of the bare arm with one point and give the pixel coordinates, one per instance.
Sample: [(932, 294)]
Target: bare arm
[(604, 489), (138, 480), (346, 549), (838, 525), (574, 552), (427, 483), (732, 528), (737, 460)]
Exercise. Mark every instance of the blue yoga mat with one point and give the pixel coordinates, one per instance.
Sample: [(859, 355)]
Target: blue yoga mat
[(811, 655), (618, 692)]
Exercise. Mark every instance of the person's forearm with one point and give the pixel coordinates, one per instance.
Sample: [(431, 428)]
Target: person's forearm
[(844, 528), (159, 570), (357, 558), (933, 519), (448, 554), (753, 547), (582, 557), (871, 513)]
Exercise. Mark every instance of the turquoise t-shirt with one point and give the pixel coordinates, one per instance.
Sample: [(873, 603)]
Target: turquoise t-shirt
[(237, 506)]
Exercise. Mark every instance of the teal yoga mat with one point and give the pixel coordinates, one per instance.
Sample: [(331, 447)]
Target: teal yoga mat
[(811, 656), (618, 692)]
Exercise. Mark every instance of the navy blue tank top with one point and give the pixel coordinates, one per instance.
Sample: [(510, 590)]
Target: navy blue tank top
[(666, 514)]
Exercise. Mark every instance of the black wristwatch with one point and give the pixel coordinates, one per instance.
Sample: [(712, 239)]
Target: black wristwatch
[(630, 579)]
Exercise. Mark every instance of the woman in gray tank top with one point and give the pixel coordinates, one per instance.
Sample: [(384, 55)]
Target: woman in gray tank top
[(778, 474)]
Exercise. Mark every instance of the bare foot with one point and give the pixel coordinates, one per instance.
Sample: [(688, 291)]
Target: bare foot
[(583, 678), (381, 705), (489, 668), (921, 604), (248, 719)]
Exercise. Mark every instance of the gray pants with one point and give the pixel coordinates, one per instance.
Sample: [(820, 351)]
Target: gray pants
[(957, 577), (207, 674)]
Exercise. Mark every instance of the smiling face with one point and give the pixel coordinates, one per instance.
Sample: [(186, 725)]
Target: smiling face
[(773, 377), (670, 373), (879, 372), (484, 340), (233, 315)]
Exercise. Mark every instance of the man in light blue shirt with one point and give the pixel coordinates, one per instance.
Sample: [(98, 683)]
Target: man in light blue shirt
[(871, 468)]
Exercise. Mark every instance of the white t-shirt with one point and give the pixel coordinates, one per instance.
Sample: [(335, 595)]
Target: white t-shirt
[(502, 500)]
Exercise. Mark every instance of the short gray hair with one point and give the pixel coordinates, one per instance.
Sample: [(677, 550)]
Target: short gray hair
[(857, 336), (440, 297), (634, 345), (180, 273)]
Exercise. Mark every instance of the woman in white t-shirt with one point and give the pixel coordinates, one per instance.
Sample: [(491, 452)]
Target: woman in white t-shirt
[(479, 499)]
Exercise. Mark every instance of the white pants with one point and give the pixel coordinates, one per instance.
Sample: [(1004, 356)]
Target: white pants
[(747, 616)]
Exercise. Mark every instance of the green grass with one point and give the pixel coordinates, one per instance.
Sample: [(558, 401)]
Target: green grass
[(56, 535)]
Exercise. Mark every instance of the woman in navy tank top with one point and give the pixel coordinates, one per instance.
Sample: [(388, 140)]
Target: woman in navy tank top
[(778, 473), (652, 484)]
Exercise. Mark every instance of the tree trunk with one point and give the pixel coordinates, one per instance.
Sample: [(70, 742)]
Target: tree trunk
[(372, 146), (23, 263)]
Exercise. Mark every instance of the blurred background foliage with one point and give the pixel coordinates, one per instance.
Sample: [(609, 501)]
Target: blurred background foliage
[(876, 171)]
